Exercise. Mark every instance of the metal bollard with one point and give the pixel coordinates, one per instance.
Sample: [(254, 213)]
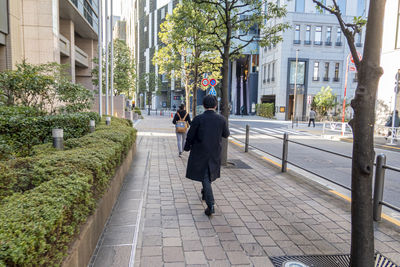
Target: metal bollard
[(58, 138), (379, 185), (246, 143), (108, 120), (92, 125), (285, 151)]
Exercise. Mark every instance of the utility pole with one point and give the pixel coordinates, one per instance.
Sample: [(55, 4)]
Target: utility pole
[(100, 51), (396, 90), (112, 60), (295, 88), (107, 57)]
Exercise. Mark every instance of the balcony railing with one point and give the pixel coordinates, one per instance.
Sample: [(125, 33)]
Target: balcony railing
[(81, 57), (64, 46), (338, 44), (326, 79), (336, 79), (307, 42), (328, 43), (359, 44), (317, 42), (315, 79)]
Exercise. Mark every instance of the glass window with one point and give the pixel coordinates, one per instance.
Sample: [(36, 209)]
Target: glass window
[(361, 8), (269, 68), (318, 34), (339, 35), (299, 6), (316, 71), (336, 72), (328, 34), (297, 33), (342, 6), (278, 3), (301, 68), (265, 73), (308, 32), (162, 13), (326, 74), (358, 41)]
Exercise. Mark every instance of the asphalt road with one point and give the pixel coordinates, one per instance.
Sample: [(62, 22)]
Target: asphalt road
[(325, 164)]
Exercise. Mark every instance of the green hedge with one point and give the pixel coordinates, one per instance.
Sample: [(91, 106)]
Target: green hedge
[(138, 111), (50, 194), (23, 128), (265, 110)]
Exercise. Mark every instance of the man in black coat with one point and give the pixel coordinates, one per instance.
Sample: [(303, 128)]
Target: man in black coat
[(204, 142)]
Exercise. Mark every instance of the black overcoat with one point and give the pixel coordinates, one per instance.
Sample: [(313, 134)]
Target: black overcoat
[(204, 140)]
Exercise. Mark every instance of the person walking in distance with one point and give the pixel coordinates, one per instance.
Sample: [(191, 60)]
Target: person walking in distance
[(312, 117), (181, 121), (204, 141)]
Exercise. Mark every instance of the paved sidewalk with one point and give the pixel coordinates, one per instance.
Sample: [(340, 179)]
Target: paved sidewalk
[(260, 212)]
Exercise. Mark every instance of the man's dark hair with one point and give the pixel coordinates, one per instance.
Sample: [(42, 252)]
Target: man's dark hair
[(209, 101), (182, 106)]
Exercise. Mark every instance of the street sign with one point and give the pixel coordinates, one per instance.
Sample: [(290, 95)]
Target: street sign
[(204, 82), (213, 82), (213, 92), (359, 57), (352, 68)]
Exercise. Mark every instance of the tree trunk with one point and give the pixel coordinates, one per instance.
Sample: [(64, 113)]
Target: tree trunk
[(187, 95), (362, 235), (194, 104), (224, 101)]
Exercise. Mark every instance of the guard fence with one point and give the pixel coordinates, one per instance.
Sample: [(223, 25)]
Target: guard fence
[(380, 168)]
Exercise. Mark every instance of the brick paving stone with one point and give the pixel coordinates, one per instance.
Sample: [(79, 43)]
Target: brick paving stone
[(151, 251), (214, 253), (273, 251), (265, 241), (261, 262), (209, 241), (174, 264), (253, 249), (237, 257), (155, 261), (173, 254), (172, 242), (246, 239), (231, 245), (310, 249), (192, 245), (195, 257), (220, 263), (226, 236)]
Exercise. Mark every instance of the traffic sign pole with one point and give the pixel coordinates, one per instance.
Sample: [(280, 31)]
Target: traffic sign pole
[(345, 88)]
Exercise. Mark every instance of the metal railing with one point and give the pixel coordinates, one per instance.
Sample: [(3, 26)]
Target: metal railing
[(343, 127), (380, 167)]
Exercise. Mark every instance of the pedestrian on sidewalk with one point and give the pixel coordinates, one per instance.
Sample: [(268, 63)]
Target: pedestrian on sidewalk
[(312, 117), (181, 121), (204, 141), (396, 124)]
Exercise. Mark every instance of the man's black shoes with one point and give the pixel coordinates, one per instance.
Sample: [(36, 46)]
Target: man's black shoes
[(209, 210)]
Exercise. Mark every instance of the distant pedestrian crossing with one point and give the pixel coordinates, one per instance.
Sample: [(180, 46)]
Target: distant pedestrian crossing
[(268, 131)]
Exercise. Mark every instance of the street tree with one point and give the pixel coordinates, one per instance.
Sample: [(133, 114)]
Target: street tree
[(323, 100), (362, 124), (187, 53), (230, 22), (124, 70)]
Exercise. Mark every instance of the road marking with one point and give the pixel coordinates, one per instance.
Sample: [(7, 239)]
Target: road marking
[(391, 147), (271, 161), (340, 195), (237, 130), (233, 142), (384, 216), (390, 219)]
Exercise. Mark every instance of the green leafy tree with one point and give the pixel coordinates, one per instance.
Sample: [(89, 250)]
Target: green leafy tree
[(362, 124), (187, 54), (124, 70), (323, 101), (148, 84), (229, 23), (46, 87)]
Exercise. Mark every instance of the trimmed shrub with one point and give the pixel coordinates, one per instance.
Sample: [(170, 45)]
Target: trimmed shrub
[(138, 111), (21, 130), (265, 110), (46, 197)]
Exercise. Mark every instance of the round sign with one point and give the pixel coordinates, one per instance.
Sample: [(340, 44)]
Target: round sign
[(213, 82), (359, 57), (204, 82)]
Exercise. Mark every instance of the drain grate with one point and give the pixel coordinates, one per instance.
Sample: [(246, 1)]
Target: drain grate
[(324, 261), (237, 164)]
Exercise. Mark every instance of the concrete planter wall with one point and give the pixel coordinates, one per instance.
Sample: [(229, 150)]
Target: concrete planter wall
[(84, 245)]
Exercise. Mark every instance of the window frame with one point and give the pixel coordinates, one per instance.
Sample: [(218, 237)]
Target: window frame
[(318, 30), (326, 71), (316, 71), (337, 68)]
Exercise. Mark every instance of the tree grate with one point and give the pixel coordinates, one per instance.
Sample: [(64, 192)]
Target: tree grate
[(237, 164), (325, 261)]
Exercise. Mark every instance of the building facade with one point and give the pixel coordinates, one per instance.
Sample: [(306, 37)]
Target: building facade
[(321, 58), (390, 60), (42, 31)]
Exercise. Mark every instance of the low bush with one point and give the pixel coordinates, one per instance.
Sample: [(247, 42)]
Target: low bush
[(265, 110), (138, 111), (22, 128), (45, 198)]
